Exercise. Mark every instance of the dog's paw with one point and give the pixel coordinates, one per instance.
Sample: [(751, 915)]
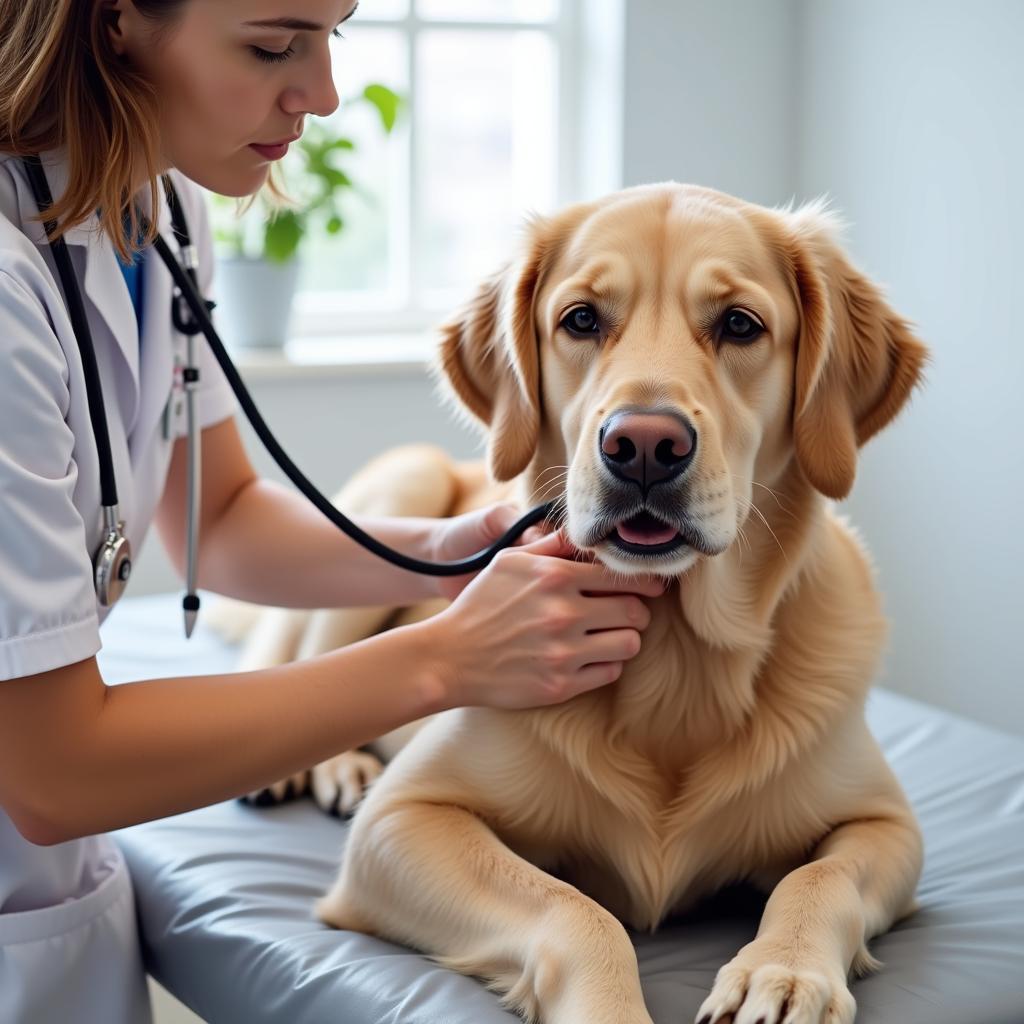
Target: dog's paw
[(756, 988), (339, 783), (293, 786)]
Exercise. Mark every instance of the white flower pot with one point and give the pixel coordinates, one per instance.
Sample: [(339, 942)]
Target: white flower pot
[(254, 301)]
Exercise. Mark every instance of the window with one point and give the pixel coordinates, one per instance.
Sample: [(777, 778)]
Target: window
[(477, 147), (511, 107)]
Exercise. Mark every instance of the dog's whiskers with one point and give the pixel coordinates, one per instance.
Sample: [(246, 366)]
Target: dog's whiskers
[(550, 486), (561, 473), (751, 507), (550, 469), (560, 512), (774, 494), (742, 538)]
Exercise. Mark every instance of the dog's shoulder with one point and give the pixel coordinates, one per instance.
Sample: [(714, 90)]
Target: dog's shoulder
[(839, 576)]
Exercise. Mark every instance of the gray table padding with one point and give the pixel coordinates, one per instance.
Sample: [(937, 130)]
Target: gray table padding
[(224, 893)]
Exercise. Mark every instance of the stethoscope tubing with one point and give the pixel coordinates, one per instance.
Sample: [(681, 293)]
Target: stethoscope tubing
[(185, 282), (76, 313), (474, 563)]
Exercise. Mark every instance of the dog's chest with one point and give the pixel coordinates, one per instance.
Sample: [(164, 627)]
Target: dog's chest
[(666, 802), (643, 861)]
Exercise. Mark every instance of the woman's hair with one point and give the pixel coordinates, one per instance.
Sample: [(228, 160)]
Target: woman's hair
[(62, 85)]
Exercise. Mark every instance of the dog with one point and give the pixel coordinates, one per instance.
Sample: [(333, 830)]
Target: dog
[(691, 377)]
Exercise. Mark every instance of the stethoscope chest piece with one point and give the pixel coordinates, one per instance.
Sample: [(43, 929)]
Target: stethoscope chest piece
[(112, 566)]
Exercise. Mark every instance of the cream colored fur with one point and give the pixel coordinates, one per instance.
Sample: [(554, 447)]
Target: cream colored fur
[(734, 744)]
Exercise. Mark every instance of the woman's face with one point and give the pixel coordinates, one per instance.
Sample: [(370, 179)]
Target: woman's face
[(232, 74)]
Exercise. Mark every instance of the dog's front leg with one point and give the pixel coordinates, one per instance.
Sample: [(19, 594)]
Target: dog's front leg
[(435, 877), (816, 925)]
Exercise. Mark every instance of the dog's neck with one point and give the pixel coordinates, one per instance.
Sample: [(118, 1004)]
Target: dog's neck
[(729, 600), (693, 684)]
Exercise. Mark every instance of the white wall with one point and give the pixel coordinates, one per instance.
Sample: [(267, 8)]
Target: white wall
[(710, 90), (912, 118)]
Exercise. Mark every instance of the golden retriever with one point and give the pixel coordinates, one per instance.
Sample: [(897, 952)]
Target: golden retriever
[(691, 375)]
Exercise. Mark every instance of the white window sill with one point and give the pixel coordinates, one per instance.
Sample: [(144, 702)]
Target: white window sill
[(338, 356)]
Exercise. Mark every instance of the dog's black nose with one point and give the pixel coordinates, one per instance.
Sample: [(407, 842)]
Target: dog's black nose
[(646, 448)]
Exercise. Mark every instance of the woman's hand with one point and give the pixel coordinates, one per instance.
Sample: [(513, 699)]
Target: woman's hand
[(465, 535), (536, 628)]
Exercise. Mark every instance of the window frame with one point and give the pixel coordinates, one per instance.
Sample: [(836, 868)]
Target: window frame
[(341, 317)]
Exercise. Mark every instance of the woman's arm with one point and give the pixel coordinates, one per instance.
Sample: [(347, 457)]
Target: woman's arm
[(264, 542), (533, 628), (78, 757)]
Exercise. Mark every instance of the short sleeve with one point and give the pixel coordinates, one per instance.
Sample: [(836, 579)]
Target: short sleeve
[(48, 615), (216, 400)]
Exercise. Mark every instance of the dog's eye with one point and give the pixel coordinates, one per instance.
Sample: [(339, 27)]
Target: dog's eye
[(740, 326), (581, 322)]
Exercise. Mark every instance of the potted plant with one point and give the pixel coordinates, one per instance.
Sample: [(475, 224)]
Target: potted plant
[(259, 241)]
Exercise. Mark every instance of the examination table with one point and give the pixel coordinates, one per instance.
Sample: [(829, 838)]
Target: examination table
[(224, 894)]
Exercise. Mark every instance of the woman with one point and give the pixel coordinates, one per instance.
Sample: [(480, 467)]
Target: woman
[(112, 93)]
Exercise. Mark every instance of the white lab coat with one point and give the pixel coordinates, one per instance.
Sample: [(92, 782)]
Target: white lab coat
[(68, 944)]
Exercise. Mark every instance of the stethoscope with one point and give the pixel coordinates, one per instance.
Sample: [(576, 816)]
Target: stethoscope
[(190, 313)]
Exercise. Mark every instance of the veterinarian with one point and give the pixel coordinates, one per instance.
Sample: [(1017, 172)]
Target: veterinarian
[(111, 94)]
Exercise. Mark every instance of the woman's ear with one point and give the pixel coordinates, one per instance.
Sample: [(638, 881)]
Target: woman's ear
[(124, 27), (489, 358), (857, 360), (112, 17)]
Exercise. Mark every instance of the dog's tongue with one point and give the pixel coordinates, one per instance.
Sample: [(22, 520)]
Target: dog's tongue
[(645, 529)]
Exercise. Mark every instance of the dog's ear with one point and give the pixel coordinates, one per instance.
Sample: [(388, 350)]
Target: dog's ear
[(857, 360), (489, 356)]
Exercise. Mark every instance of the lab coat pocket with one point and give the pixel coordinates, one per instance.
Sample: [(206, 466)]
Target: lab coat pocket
[(77, 961)]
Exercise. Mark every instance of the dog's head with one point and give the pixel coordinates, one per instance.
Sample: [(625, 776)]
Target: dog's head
[(666, 348)]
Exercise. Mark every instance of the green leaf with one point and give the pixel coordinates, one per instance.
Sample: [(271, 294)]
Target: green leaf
[(386, 101), (336, 178), (283, 234), (313, 177)]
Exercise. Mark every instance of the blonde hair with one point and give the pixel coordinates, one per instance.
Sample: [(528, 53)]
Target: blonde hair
[(63, 86)]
